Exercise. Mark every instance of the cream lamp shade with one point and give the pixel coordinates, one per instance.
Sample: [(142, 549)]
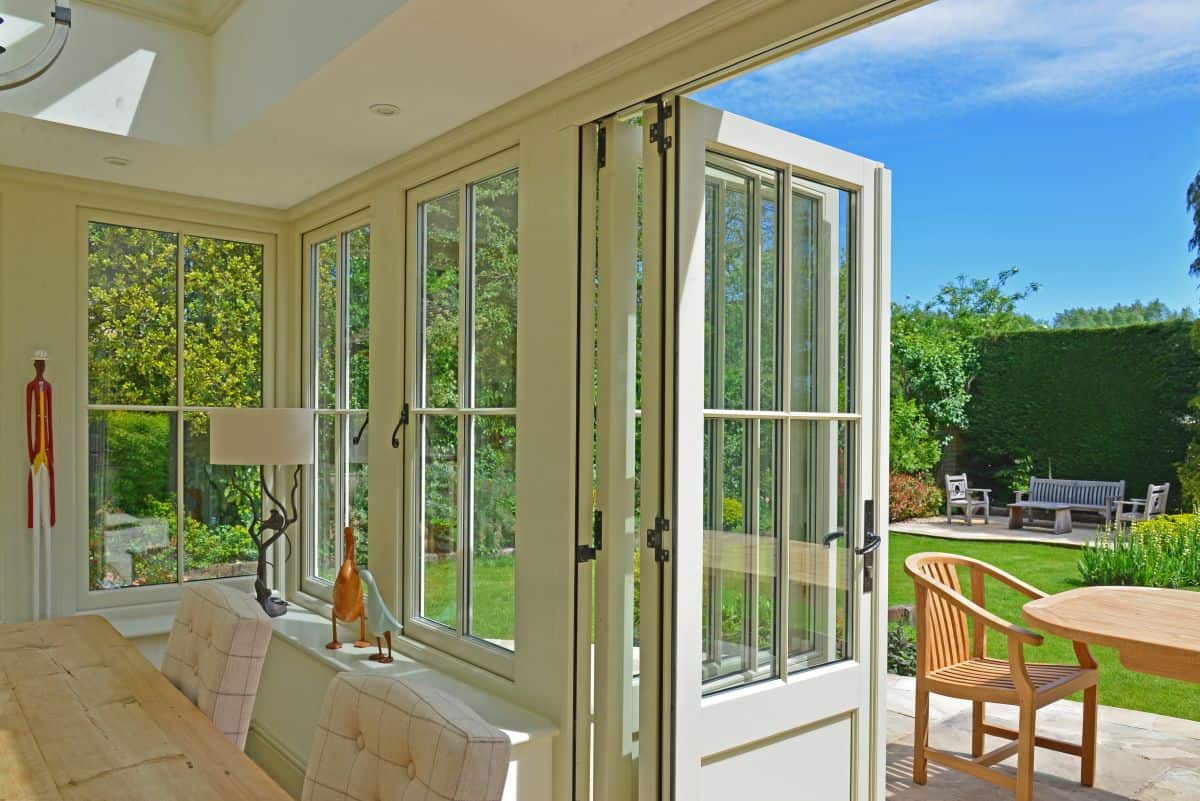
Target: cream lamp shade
[(260, 436)]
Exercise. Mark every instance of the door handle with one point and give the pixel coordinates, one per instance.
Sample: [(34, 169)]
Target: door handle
[(832, 537), (873, 543)]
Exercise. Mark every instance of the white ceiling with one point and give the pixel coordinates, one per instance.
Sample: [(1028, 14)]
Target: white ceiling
[(204, 16), (272, 108)]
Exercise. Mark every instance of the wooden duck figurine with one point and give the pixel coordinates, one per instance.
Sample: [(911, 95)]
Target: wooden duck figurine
[(381, 618), (348, 596)]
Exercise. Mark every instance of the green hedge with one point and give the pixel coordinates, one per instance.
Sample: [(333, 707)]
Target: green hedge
[(1104, 404)]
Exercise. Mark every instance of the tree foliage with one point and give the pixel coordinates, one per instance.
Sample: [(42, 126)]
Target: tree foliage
[(1136, 313), (492, 275), (1193, 205), (935, 358), (135, 339)]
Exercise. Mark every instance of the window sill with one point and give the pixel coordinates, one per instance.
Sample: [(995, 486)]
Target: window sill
[(143, 620), (308, 632)]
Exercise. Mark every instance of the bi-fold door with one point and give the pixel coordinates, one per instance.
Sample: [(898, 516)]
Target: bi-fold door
[(741, 378)]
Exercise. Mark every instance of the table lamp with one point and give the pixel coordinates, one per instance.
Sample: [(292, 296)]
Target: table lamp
[(262, 438)]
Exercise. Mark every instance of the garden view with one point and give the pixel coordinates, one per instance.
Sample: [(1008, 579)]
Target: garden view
[(1094, 393)]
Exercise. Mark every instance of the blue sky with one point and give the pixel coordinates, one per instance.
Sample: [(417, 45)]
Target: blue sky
[(1057, 136)]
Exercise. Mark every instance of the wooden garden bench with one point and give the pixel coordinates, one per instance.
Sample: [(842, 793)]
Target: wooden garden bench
[(952, 661), (1063, 496)]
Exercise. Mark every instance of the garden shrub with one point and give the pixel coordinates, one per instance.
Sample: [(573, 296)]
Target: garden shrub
[(912, 448), (913, 495), (902, 650), (1104, 404), (1163, 552)]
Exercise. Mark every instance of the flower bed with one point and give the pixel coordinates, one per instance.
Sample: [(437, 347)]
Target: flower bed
[(1163, 552)]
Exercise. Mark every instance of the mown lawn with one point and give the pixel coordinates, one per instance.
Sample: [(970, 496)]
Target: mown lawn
[(1051, 569), (492, 615)]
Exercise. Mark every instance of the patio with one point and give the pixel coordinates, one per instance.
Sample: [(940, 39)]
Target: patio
[(1140, 757), (997, 530)]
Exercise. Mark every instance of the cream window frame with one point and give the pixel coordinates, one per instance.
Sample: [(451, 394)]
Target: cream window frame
[(455, 642), (339, 229), (93, 600)]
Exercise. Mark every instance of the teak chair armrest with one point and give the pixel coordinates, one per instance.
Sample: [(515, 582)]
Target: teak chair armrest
[(991, 570)]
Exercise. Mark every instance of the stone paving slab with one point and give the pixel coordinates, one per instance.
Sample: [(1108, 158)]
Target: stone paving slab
[(1140, 756), (997, 531)]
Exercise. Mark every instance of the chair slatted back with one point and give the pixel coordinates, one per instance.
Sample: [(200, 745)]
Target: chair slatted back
[(956, 487), (943, 631), (1156, 499)]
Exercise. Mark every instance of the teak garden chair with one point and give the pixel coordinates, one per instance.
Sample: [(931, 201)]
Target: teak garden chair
[(952, 661), (1133, 510), (969, 499)]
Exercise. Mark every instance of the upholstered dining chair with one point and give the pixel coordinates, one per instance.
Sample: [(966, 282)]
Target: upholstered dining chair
[(215, 654), (382, 737), (952, 660)]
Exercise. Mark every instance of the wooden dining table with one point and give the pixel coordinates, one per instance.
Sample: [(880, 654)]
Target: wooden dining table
[(1155, 631), (85, 717)]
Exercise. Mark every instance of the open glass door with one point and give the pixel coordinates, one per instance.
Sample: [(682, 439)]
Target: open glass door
[(765, 266)]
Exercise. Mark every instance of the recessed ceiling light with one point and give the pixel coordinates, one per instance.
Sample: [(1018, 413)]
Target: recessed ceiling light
[(384, 109), (116, 161)]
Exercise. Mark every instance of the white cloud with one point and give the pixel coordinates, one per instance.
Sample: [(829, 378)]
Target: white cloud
[(957, 54)]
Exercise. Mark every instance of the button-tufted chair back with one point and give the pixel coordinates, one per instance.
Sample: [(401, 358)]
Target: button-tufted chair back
[(383, 739), (215, 654)]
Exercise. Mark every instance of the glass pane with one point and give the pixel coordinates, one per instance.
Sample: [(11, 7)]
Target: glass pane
[(821, 502), (439, 493), (768, 293), (738, 614), (494, 510), (328, 529), (326, 321), (131, 499), (358, 315), (356, 483), (494, 316), (218, 509), (727, 214), (439, 298), (132, 315), (823, 259), (223, 322)]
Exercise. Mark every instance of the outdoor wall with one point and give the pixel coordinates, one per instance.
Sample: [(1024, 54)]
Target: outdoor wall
[(1105, 404)]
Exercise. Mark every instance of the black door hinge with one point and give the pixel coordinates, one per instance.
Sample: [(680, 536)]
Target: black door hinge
[(403, 422), (654, 539), (602, 148), (586, 553), (658, 128)]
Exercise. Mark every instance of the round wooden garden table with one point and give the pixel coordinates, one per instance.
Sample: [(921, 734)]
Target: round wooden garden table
[(1154, 630)]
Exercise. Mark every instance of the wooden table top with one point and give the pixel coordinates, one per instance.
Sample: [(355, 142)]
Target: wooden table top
[(1155, 630), (84, 717)]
